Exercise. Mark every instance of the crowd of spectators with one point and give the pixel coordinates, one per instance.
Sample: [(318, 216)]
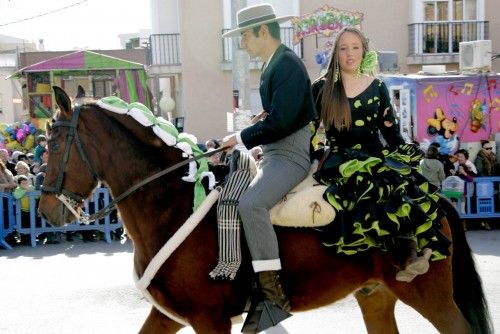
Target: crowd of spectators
[(20, 174)]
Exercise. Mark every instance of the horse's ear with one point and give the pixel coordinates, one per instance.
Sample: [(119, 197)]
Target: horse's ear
[(81, 92), (62, 99)]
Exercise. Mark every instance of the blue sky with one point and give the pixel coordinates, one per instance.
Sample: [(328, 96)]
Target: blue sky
[(93, 24)]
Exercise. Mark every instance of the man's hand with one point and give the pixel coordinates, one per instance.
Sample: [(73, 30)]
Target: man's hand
[(229, 141)]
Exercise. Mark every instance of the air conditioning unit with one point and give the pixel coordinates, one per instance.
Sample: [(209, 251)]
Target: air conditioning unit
[(475, 55)]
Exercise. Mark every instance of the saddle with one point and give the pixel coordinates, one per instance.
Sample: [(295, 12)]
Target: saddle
[(304, 205)]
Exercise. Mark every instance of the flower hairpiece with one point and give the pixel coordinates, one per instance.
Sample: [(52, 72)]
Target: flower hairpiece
[(369, 62)]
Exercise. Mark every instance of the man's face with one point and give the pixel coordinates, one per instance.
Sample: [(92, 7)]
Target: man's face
[(251, 43)]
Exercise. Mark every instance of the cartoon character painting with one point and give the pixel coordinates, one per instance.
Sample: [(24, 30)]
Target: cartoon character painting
[(443, 129)]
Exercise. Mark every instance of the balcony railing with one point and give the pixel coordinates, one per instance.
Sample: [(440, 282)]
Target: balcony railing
[(163, 49), (444, 37), (286, 38)]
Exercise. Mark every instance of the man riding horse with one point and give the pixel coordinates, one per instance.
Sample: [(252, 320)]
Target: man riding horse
[(282, 131)]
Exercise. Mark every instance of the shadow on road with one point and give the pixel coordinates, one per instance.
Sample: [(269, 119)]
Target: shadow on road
[(70, 249)]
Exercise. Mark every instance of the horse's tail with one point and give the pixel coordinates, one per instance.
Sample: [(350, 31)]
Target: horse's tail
[(467, 286)]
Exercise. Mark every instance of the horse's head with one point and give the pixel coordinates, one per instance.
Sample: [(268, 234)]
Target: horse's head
[(70, 177)]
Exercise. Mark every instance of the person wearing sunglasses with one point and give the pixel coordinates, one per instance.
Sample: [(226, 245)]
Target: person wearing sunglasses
[(486, 161)]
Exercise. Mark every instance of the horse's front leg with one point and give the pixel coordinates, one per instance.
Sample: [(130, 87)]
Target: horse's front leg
[(377, 305), (158, 323)]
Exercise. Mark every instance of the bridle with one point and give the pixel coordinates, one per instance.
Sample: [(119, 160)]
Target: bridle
[(72, 200)]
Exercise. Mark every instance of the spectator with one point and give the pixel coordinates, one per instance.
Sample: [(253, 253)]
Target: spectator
[(217, 158), (432, 168), (20, 193), (7, 183), (41, 143), (444, 158), (18, 156), (40, 176), (4, 157), (22, 168), (486, 161), (464, 168), (29, 158)]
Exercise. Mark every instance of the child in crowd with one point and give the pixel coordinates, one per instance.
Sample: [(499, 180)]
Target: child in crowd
[(20, 193), (41, 143)]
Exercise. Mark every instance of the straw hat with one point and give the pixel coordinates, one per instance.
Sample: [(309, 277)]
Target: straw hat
[(255, 16)]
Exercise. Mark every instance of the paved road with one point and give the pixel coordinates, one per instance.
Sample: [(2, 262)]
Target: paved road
[(88, 288)]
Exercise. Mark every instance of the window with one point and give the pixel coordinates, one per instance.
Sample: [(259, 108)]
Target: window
[(103, 87), (447, 23)]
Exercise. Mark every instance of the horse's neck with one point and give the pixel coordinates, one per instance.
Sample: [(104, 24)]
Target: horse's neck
[(131, 154)]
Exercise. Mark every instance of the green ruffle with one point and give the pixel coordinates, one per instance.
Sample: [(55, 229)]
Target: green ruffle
[(362, 182)]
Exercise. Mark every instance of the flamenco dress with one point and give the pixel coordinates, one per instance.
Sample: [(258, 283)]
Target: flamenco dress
[(376, 189)]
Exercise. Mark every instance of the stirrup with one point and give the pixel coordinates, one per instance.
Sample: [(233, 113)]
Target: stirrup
[(263, 316)]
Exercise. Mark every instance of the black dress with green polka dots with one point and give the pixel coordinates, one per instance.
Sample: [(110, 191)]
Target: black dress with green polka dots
[(376, 187)]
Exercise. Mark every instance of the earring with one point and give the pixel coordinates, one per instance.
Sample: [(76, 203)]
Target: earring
[(337, 72), (359, 72)]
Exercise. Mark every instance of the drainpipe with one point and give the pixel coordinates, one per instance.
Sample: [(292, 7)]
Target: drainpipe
[(240, 63)]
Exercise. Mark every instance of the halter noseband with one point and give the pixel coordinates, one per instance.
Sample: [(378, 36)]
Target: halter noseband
[(70, 199)]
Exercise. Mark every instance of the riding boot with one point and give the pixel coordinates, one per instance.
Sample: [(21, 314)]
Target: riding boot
[(414, 265), (271, 305)]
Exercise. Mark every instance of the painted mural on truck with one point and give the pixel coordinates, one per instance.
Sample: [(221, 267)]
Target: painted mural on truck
[(451, 109)]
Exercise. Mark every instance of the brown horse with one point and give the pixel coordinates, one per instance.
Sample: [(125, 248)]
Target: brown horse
[(87, 143)]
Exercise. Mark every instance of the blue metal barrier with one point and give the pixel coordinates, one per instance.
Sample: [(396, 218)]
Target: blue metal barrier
[(481, 199), (38, 225), (7, 218)]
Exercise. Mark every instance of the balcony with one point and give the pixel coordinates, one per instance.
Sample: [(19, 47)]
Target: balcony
[(437, 42), (286, 38), (163, 53)]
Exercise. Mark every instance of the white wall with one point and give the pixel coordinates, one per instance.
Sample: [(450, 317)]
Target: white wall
[(165, 16), (10, 89)]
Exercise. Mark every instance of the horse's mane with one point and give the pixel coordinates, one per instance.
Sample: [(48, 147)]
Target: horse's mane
[(144, 150), (141, 133)]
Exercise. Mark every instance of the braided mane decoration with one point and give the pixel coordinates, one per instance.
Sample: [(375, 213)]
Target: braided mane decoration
[(167, 132)]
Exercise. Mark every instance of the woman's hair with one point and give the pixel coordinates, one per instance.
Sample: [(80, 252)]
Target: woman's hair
[(334, 103), (483, 142), (464, 152), (432, 152), (22, 164), (2, 166)]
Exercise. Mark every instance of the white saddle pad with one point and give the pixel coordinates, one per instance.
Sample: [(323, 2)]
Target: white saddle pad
[(304, 205)]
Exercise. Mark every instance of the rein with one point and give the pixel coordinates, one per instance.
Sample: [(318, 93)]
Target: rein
[(72, 200), (112, 205)]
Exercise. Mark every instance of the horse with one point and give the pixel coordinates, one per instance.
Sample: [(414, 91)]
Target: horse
[(87, 143)]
